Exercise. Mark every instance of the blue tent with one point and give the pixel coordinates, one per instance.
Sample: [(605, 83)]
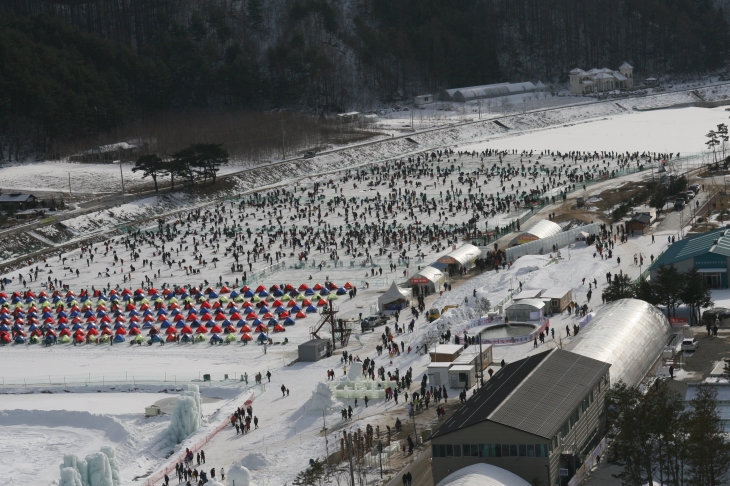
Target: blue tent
[(156, 338), (134, 324), (146, 325), (186, 338), (309, 292), (311, 310), (263, 337), (249, 293), (341, 291), (278, 293), (234, 294), (233, 310), (61, 327), (162, 311), (212, 295), (180, 324), (4, 327), (76, 327), (289, 321), (296, 308), (117, 325), (88, 313), (263, 294), (273, 322), (324, 292), (263, 310), (256, 322), (215, 338), (279, 310), (165, 324), (62, 314), (49, 340), (119, 338), (241, 323), (19, 340)]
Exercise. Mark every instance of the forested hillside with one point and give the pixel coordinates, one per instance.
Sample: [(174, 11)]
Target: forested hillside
[(73, 67)]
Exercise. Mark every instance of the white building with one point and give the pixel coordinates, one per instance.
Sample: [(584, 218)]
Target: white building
[(601, 80)]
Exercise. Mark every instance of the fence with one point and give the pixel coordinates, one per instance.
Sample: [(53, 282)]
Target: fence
[(540, 246), (265, 272), (154, 478), (519, 339), (375, 460)]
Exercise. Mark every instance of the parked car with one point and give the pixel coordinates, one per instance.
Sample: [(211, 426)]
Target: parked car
[(580, 202), (309, 155), (690, 344), (679, 204), (370, 323), (691, 194)]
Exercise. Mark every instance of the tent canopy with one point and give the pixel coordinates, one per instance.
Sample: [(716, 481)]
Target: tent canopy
[(463, 255), (393, 294)]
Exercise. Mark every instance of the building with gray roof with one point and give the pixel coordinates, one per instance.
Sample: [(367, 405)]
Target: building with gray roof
[(535, 415)]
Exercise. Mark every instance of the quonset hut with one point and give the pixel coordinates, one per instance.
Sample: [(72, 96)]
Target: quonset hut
[(629, 334)]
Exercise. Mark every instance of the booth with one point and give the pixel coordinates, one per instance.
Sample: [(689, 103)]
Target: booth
[(438, 373), (427, 281), (539, 230), (446, 353), (525, 310), (394, 299), (557, 299), (464, 256), (314, 350), (462, 376)]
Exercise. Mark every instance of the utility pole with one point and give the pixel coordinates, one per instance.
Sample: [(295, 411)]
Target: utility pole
[(481, 364), (283, 149), (352, 471), (326, 444), (121, 174), (69, 183)]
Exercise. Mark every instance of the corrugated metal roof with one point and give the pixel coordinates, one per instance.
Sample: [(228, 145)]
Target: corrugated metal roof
[(547, 397), (487, 398), (543, 229), (696, 245)]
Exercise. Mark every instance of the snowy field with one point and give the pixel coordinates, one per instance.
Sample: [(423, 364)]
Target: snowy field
[(672, 130), (290, 431)]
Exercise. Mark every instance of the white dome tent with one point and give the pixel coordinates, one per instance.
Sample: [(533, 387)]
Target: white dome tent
[(482, 475)]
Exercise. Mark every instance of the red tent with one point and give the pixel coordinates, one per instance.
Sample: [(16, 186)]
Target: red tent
[(283, 315), (216, 329), (277, 303), (246, 328), (246, 337), (186, 330), (291, 303), (65, 332), (106, 332), (170, 338), (306, 303), (171, 330), (229, 329), (303, 287), (205, 305), (119, 331), (236, 316), (317, 287), (251, 316), (301, 315), (348, 286), (134, 331), (260, 288), (206, 317), (220, 317), (225, 290), (201, 330), (268, 315), (261, 328), (279, 328), (246, 304), (321, 303), (94, 332)]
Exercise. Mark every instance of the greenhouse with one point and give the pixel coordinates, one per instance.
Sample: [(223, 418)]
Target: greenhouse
[(526, 310), (542, 229), (628, 333), (482, 475)]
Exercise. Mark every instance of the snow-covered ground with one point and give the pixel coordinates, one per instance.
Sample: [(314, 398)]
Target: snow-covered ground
[(290, 432)]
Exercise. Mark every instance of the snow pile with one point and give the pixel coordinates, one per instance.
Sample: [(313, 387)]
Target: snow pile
[(98, 469), (254, 460), (239, 475), (186, 418), (323, 398)]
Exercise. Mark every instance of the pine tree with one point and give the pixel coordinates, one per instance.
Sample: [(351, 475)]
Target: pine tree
[(151, 165), (620, 287), (255, 11), (695, 294), (708, 455), (667, 285)]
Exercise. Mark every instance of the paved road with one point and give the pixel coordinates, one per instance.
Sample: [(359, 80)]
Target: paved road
[(676, 220)]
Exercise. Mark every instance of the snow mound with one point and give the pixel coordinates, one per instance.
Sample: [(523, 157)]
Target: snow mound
[(255, 460), (65, 418), (186, 417), (527, 269), (323, 398), (239, 475)]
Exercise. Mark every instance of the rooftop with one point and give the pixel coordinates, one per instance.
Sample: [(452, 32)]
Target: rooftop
[(715, 241), (535, 394)]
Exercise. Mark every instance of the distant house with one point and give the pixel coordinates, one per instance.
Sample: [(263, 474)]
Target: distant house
[(421, 100), (17, 201), (638, 223), (108, 153), (348, 117), (471, 93), (601, 80)]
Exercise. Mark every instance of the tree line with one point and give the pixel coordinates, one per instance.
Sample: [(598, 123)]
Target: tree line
[(201, 160), (660, 439), (669, 288), (69, 69)]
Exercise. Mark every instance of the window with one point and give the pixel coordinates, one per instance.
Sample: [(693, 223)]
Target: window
[(523, 450), (530, 450), (574, 418), (474, 450), (466, 448), (513, 450), (505, 450), (457, 450), (590, 395), (449, 450), (438, 450), (564, 430)]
